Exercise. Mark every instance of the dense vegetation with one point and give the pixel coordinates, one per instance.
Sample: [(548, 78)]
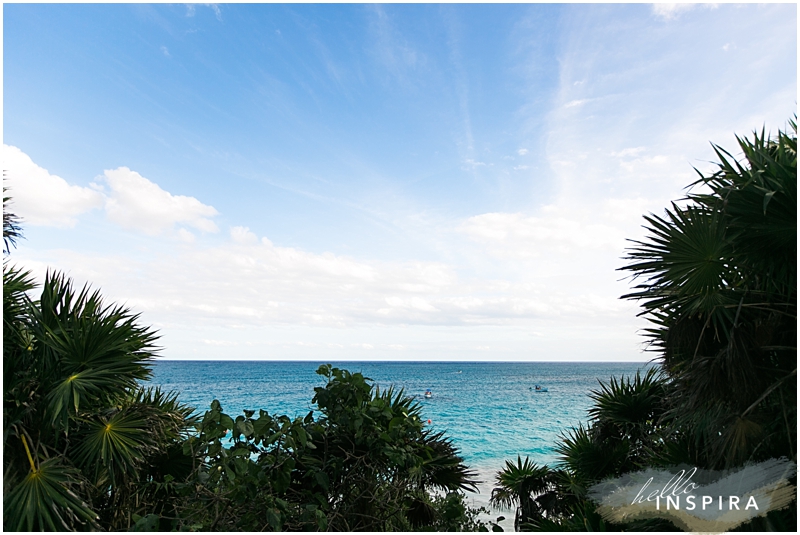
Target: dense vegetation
[(717, 280), (366, 463)]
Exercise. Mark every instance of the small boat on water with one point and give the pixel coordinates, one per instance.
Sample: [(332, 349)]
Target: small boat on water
[(539, 388), (428, 393)]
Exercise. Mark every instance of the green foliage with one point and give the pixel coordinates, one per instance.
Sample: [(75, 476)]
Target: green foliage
[(81, 438), (366, 463), (451, 513), (11, 226), (717, 280), (528, 487), (720, 288), (44, 499), (623, 431)]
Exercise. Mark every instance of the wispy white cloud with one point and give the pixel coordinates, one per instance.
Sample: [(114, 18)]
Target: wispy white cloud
[(517, 235), (394, 52), (671, 11), (218, 342), (470, 164), (628, 152), (575, 103), (165, 51), (674, 10), (217, 11), (191, 10), (522, 152), (661, 97)]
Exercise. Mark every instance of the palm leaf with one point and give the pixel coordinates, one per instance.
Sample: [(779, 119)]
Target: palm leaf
[(43, 500), (117, 444), (93, 355), (11, 224)]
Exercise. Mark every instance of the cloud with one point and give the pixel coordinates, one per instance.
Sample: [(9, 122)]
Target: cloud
[(41, 198), (218, 342), (217, 11), (516, 235), (470, 164), (254, 283), (243, 235), (671, 11), (660, 106), (165, 51), (137, 203), (191, 10), (630, 151), (133, 201), (522, 152), (391, 49), (574, 103), (417, 303), (186, 236)]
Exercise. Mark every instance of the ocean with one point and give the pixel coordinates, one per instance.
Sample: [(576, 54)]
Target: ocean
[(490, 409)]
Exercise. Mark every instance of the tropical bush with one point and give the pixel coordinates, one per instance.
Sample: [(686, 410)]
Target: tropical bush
[(717, 281), (366, 462)]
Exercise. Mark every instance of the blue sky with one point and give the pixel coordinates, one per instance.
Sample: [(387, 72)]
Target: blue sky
[(373, 182)]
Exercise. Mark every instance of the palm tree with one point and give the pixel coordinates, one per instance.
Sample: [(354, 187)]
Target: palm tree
[(84, 444), (630, 411), (528, 487), (719, 286), (717, 280)]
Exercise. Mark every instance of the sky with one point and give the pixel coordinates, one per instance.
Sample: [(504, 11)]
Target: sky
[(370, 182)]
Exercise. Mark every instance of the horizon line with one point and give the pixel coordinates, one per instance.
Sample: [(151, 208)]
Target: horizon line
[(416, 361)]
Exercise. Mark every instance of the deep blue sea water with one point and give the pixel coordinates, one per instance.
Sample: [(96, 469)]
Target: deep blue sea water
[(489, 409)]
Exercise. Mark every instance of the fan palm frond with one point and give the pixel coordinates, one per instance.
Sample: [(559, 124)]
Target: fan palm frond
[(11, 224), (44, 500)]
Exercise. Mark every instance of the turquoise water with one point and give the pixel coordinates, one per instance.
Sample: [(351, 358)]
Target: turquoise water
[(489, 409)]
